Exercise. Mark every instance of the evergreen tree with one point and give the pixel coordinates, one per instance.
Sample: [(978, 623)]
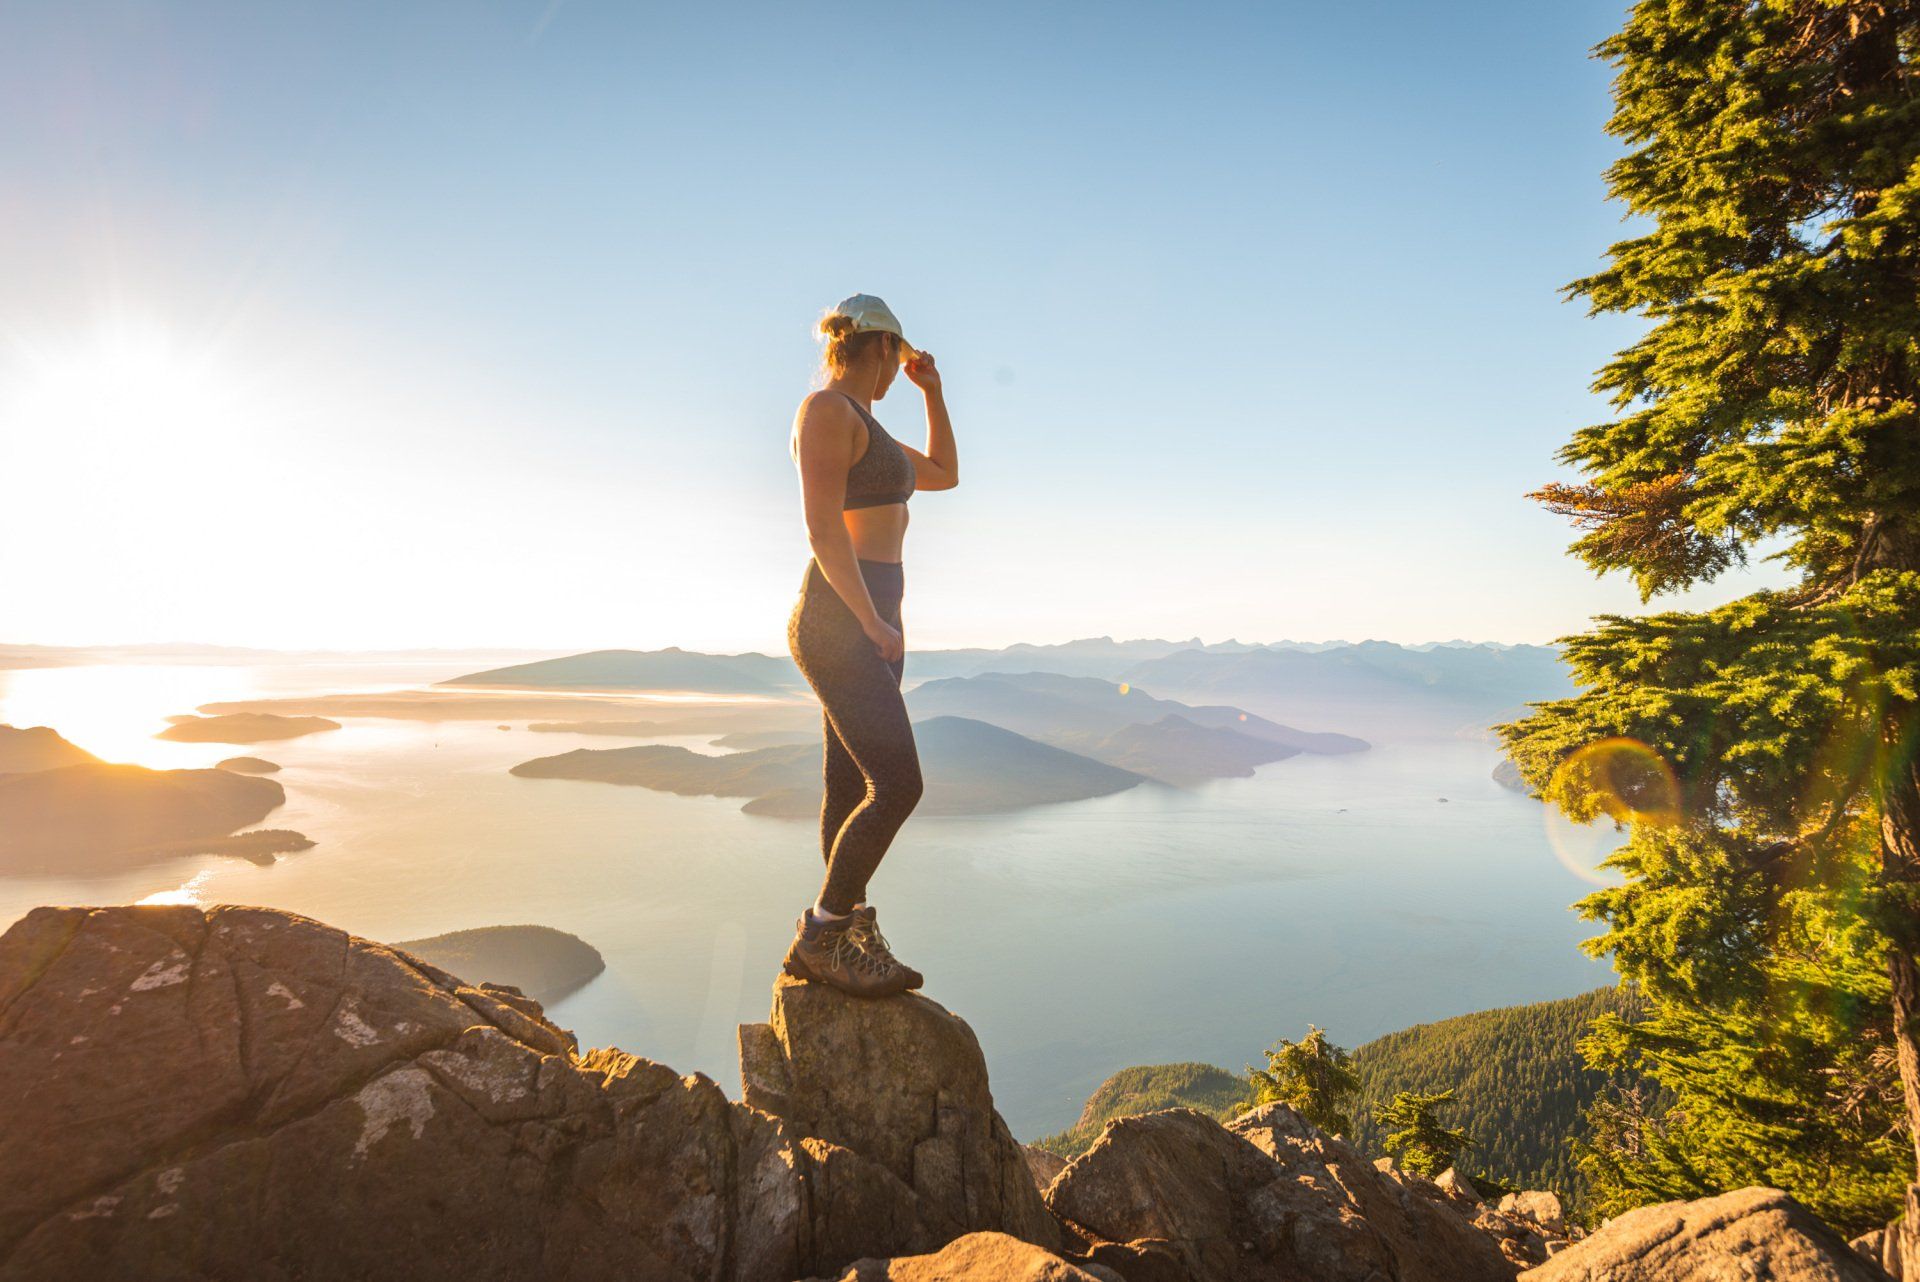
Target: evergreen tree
[(1312, 1076), (1763, 753), (1421, 1144)]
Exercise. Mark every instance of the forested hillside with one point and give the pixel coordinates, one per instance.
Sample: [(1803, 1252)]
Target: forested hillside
[(1145, 1089), (1521, 1086)]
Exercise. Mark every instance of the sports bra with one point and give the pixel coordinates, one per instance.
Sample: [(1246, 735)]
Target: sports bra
[(884, 474)]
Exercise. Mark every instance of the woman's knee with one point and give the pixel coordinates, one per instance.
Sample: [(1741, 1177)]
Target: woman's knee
[(898, 789)]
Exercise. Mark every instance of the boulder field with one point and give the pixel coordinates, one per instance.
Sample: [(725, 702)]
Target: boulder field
[(243, 1093)]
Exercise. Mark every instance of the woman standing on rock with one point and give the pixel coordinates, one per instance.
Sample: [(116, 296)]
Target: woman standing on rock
[(845, 631)]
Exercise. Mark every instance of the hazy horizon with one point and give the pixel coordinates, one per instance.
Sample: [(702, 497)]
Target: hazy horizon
[(484, 649)]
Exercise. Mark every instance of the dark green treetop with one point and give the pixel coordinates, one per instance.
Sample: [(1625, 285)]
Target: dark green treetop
[(1312, 1076), (1419, 1141)]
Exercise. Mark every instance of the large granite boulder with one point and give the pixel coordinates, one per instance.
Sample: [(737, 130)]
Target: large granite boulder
[(1523, 1241), (1527, 1228), (1042, 1165), (1458, 1187), (1753, 1233), (1541, 1207), (902, 1083), (1174, 1196), (239, 1093), (977, 1257)]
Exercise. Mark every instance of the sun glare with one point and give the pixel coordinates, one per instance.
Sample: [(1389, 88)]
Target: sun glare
[(115, 710), (111, 438), (129, 376)]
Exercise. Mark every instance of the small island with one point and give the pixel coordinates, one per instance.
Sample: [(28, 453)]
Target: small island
[(544, 963), (258, 846), (971, 768), (243, 727), (1508, 776), (97, 816), (248, 766)]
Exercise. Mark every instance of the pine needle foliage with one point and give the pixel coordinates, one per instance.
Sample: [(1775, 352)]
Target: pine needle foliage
[(1761, 753), (1419, 1141), (1312, 1076)]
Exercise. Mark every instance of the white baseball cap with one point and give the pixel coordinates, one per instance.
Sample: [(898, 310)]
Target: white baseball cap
[(869, 315)]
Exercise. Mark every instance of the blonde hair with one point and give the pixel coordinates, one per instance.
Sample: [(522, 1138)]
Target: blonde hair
[(843, 347)]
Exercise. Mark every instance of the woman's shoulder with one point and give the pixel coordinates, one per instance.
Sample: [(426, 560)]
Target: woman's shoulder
[(826, 416), (829, 403), (829, 409)]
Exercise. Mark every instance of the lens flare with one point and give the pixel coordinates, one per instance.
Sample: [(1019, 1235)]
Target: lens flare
[(1581, 848), (1624, 780)]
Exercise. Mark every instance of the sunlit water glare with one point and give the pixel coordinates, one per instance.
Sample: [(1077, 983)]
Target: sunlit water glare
[(1150, 926)]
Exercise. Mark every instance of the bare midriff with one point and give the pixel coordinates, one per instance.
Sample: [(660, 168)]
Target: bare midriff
[(878, 532)]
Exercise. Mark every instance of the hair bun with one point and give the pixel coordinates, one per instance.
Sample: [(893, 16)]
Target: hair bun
[(836, 325)]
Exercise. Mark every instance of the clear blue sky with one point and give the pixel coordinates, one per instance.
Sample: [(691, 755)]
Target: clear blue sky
[(445, 324)]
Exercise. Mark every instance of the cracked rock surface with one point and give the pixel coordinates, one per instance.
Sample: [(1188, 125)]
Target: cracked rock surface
[(241, 1093), (902, 1083), (1751, 1233), (246, 1093), (977, 1257), (1173, 1196)]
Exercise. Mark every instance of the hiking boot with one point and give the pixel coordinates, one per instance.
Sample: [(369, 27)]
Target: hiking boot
[(878, 943), (837, 954)]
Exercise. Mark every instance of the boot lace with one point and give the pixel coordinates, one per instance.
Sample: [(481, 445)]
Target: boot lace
[(872, 940), (852, 948)]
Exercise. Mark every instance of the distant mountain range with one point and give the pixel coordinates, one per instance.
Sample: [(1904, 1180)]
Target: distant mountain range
[(1089, 657), (669, 669), (1378, 689), (57, 656), (1045, 703), (1381, 690), (1122, 726)]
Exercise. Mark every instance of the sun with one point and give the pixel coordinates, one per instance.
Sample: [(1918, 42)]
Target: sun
[(129, 377), (104, 426), (116, 442)]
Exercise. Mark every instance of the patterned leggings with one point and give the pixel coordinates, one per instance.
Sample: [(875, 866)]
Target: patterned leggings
[(870, 764)]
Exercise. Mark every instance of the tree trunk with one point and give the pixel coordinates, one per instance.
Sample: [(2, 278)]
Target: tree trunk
[(1900, 871), (1893, 544)]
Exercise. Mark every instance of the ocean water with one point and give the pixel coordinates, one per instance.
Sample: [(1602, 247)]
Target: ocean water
[(1362, 893)]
